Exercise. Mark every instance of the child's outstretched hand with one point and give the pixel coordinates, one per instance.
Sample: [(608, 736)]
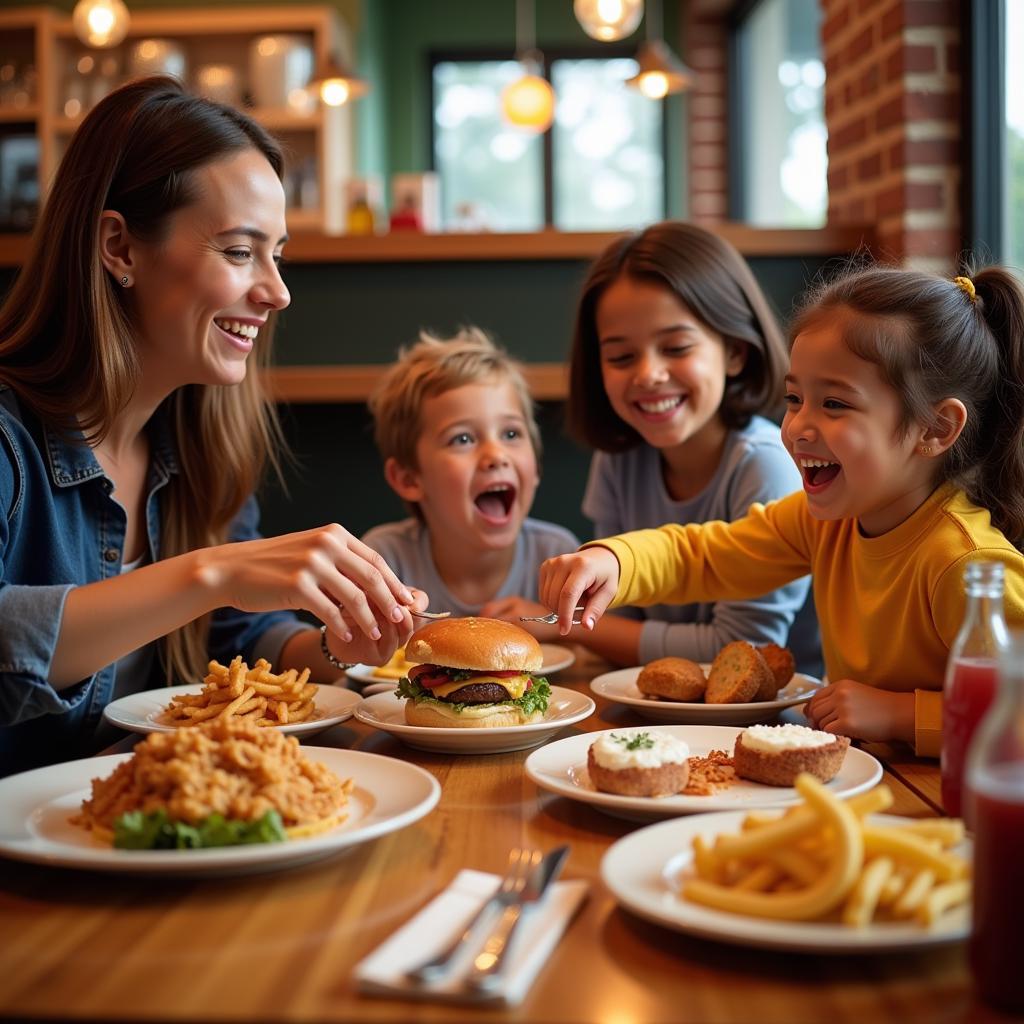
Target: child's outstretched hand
[(862, 712), (589, 577), (511, 608)]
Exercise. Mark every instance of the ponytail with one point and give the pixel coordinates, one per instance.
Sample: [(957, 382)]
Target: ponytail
[(998, 483)]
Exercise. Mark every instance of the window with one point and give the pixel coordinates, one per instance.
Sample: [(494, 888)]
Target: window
[(1013, 183), (601, 167), (781, 164)]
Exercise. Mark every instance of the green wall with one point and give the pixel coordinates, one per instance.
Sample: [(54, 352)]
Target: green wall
[(393, 40), (362, 313)]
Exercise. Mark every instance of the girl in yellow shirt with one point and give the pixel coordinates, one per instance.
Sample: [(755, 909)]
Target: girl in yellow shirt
[(905, 416)]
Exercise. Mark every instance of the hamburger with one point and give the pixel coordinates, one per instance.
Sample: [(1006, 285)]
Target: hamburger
[(473, 673)]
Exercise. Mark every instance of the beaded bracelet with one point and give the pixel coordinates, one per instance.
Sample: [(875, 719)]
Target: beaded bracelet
[(326, 651)]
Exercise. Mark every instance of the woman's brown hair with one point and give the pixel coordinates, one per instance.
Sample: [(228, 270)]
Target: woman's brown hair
[(713, 281), (67, 345), (934, 338)]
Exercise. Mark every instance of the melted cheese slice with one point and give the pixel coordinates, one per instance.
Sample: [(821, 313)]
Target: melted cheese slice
[(515, 685)]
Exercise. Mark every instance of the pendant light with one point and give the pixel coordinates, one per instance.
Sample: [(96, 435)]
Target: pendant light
[(608, 20), (529, 101), (100, 23), (661, 71), (336, 84)]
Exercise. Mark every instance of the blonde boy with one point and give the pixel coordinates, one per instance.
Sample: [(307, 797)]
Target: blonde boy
[(454, 424)]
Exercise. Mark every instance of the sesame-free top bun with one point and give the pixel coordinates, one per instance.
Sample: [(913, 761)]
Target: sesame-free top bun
[(475, 643)]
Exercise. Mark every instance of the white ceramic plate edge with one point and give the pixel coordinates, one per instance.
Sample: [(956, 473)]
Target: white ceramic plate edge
[(635, 868), (342, 703), (870, 773), (411, 792)]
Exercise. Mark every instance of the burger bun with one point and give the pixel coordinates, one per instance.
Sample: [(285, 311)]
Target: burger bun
[(489, 716), (475, 643)]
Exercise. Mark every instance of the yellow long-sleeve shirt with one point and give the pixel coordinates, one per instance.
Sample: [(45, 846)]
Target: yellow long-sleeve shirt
[(889, 607)]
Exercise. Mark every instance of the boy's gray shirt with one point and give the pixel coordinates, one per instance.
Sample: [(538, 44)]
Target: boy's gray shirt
[(405, 546), (626, 491)]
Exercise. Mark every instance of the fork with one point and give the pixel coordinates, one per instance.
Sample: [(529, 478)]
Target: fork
[(520, 863), (552, 617), (430, 615)]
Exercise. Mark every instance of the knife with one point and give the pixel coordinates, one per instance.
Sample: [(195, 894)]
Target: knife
[(485, 974)]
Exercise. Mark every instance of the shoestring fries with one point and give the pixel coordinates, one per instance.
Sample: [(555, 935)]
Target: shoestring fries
[(824, 858), (255, 694)]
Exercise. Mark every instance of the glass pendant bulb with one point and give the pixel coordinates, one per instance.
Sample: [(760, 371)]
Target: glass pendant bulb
[(100, 23), (608, 20)]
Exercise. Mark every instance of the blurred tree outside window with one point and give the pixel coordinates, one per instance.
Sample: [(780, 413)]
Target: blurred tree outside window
[(1013, 178), (784, 161), (602, 169)]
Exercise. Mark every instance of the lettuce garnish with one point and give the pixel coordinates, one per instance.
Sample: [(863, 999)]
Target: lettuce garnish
[(535, 699), (137, 830)]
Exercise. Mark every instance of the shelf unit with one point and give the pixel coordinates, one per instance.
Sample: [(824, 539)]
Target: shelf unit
[(322, 140)]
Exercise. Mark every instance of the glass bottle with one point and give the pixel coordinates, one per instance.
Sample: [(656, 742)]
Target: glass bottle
[(971, 673), (994, 791)]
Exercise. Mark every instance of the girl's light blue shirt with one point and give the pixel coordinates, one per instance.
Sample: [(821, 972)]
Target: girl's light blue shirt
[(626, 491)]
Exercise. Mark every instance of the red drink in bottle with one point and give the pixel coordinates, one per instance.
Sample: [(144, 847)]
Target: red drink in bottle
[(971, 674), (968, 694), (998, 811)]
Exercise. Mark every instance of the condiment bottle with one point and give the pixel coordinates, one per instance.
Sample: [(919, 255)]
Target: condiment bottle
[(995, 796), (971, 673)]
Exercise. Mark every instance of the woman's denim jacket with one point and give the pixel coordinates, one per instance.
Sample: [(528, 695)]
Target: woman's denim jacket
[(60, 528)]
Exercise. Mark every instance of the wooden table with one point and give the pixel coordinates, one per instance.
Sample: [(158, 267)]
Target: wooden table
[(281, 946)]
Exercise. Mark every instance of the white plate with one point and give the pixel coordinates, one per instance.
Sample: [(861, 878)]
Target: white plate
[(142, 712), (620, 687), (35, 808), (561, 768), (644, 870), (556, 658), (387, 712)]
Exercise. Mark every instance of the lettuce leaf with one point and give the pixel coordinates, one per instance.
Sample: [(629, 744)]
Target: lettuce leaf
[(137, 830), (535, 699)]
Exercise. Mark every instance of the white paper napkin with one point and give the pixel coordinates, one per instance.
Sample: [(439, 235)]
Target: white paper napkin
[(444, 918)]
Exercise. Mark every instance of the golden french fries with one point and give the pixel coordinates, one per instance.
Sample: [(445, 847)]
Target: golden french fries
[(395, 667), (823, 858), (254, 694)]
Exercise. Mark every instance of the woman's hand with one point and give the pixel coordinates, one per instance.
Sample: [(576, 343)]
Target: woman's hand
[(849, 708), (511, 608), (589, 577), (323, 571), (365, 650)]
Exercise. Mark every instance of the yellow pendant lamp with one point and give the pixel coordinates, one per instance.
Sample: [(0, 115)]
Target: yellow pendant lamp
[(661, 71), (529, 101)]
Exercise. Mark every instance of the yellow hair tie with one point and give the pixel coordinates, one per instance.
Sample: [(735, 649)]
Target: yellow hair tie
[(965, 284)]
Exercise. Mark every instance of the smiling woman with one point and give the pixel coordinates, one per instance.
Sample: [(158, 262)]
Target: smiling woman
[(134, 428)]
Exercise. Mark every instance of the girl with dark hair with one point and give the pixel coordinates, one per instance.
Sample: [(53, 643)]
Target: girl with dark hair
[(905, 414), (133, 431), (676, 362)]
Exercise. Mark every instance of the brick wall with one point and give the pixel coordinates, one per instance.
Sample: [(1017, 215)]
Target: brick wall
[(707, 39), (892, 105)]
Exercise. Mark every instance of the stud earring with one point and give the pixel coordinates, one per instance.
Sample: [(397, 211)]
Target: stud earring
[(124, 281), (925, 449)]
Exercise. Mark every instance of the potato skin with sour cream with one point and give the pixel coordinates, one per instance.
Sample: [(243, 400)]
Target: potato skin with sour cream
[(638, 762)]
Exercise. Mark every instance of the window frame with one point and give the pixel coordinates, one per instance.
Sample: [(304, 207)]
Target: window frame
[(550, 55)]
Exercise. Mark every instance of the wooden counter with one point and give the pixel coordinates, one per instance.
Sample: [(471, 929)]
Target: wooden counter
[(281, 946), (410, 246)]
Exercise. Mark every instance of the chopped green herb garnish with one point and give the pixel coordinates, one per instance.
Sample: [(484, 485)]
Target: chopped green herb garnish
[(641, 741)]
